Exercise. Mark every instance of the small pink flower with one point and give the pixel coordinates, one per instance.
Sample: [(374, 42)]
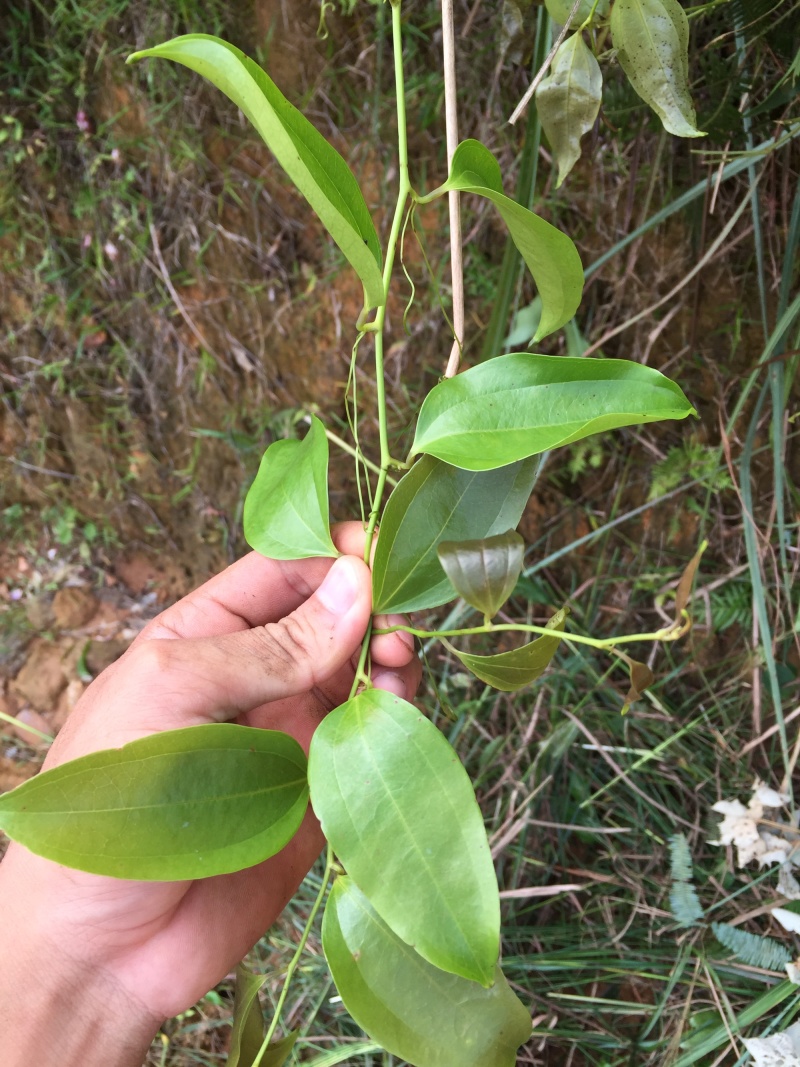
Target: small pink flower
[(116, 155), (82, 122), (87, 241), (111, 250)]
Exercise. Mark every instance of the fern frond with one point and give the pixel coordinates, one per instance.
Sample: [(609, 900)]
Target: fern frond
[(753, 949), (680, 858), (685, 904), (733, 603)]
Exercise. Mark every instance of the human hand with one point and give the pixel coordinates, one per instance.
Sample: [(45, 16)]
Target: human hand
[(267, 644)]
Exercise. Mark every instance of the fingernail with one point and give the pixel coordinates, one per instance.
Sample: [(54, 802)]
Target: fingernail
[(407, 639), (390, 682), (340, 589)]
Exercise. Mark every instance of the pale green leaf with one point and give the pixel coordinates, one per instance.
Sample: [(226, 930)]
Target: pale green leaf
[(399, 810), (523, 404), (680, 858), (559, 11), (435, 502), (752, 949), (509, 671), (550, 255), (181, 804), (568, 101), (417, 1012), (484, 571), (652, 42), (248, 1031), (684, 904), (315, 167), (286, 508)]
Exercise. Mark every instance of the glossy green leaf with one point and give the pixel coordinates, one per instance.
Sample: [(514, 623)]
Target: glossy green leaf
[(512, 670), (435, 502), (559, 11), (399, 810), (286, 508), (181, 804), (652, 42), (278, 1052), (418, 1013), (315, 167), (522, 404), (568, 101), (550, 255), (249, 1029), (484, 572)]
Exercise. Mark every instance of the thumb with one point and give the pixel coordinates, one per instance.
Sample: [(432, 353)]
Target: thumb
[(165, 684)]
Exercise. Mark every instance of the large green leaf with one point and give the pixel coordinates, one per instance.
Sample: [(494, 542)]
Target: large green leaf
[(568, 101), (181, 804), (652, 42), (415, 1011), (286, 508), (484, 571), (512, 670), (550, 255), (315, 167), (435, 502), (398, 807), (522, 404)]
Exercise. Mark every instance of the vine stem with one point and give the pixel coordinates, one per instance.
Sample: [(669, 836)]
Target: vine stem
[(377, 326), (668, 633), (454, 199), (296, 957)]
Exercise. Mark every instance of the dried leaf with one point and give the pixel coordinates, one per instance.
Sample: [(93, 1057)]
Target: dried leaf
[(743, 827), (684, 589), (777, 1050)]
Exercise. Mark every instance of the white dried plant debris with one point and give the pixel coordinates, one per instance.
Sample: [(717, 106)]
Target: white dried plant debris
[(744, 827), (793, 971), (788, 886), (778, 1050), (789, 920)]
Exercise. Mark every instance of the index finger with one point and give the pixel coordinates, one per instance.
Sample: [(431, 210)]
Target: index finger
[(252, 592)]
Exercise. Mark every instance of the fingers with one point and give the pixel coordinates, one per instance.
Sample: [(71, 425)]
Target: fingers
[(391, 650), (252, 592), (163, 685)]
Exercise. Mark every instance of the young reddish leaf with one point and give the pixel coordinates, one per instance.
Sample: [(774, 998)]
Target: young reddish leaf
[(484, 572)]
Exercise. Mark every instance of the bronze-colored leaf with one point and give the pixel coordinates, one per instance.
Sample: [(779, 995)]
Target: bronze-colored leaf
[(684, 590), (641, 678), (484, 572), (509, 671)]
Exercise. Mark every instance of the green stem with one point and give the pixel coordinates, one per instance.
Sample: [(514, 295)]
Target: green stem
[(296, 957), (668, 633), (391, 249)]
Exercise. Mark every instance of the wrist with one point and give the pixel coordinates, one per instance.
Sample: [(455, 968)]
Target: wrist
[(57, 1009)]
